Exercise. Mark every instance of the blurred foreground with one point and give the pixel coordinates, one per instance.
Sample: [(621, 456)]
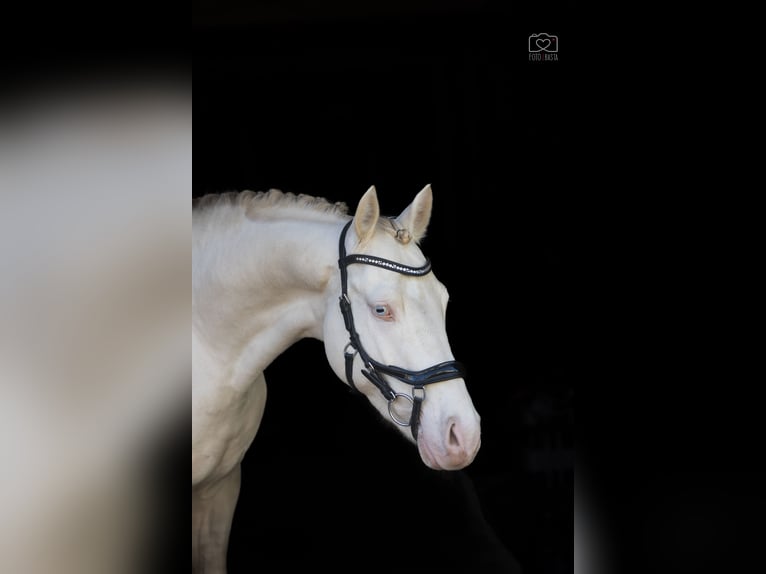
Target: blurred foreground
[(94, 309)]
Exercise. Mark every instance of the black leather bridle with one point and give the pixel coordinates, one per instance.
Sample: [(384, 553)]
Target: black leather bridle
[(373, 370)]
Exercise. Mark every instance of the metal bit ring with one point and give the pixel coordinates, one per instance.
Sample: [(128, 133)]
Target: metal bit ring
[(398, 421)]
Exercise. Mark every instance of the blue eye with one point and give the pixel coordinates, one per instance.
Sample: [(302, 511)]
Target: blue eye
[(382, 311)]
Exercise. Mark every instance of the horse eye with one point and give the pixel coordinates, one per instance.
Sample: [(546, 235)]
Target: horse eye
[(381, 310)]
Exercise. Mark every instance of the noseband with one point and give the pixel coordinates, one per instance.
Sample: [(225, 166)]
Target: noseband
[(373, 370)]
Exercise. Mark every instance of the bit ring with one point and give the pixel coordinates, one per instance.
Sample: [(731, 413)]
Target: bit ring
[(394, 418)]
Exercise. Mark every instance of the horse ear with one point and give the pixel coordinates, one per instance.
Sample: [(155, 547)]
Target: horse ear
[(367, 214), (416, 216)]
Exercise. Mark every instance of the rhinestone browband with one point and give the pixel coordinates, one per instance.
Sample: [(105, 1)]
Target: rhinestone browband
[(387, 264)]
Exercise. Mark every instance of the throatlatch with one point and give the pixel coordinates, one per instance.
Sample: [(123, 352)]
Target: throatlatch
[(373, 370)]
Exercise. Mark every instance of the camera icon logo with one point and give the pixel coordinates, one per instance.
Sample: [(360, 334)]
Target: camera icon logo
[(543, 43)]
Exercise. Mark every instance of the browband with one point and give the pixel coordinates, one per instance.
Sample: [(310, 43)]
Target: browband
[(386, 264)]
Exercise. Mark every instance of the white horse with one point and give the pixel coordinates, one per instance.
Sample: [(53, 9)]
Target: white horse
[(265, 275)]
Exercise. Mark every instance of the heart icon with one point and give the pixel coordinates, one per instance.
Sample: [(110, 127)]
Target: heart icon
[(543, 43)]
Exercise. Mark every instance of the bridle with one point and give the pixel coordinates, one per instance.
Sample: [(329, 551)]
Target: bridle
[(373, 370)]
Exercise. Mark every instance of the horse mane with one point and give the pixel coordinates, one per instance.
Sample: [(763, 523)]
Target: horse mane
[(229, 207), (264, 203)]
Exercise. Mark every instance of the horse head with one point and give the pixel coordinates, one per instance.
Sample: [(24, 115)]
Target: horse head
[(389, 339)]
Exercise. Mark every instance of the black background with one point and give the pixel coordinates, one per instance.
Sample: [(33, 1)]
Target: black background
[(328, 103)]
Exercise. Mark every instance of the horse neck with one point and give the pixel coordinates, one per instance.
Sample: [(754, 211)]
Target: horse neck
[(260, 287)]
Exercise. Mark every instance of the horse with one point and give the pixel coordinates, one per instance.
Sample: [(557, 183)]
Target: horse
[(271, 268)]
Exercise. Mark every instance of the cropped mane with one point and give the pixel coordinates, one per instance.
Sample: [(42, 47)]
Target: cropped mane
[(265, 204)]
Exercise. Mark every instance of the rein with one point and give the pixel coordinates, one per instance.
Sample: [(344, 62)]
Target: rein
[(373, 370)]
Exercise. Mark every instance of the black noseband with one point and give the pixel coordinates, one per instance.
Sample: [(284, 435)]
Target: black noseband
[(373, 370)]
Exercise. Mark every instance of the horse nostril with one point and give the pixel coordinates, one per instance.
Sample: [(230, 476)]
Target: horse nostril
[(454, 436)]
